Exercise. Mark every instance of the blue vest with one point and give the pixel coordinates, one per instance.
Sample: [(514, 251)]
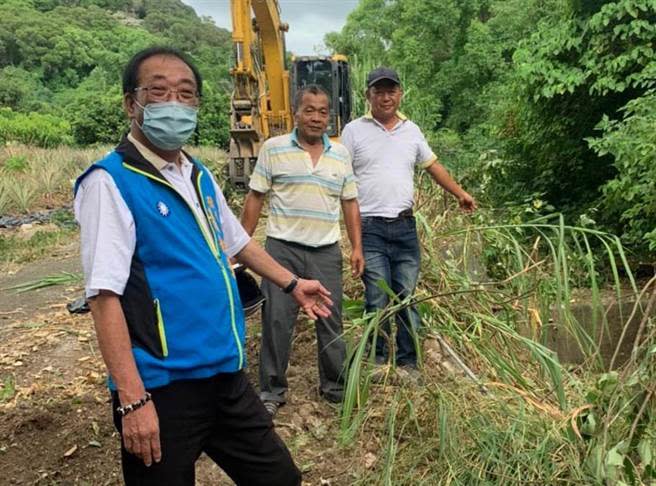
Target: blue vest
[(181, 302)]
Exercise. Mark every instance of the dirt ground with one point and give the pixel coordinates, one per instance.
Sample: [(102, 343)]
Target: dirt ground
[(55, 421)]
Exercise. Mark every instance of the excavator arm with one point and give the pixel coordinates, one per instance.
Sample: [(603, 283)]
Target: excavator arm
[(260, 105)]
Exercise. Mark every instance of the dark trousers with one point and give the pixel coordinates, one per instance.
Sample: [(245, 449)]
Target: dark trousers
[(221, 416), (279, 318), (391, 252)]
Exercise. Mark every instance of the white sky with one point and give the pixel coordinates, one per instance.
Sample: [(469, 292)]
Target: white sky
[(309, 20)]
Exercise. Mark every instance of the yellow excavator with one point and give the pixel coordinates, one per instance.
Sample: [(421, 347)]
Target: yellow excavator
[(261, 102)]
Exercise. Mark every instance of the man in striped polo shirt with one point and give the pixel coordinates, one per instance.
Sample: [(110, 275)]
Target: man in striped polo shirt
[(308, 178)]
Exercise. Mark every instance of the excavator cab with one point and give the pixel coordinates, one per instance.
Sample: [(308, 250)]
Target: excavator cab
[(332, 74)]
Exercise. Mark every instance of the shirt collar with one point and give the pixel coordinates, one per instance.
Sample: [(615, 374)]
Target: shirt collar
[(327, 145), (400, 116), (158, 162), (402, 119)]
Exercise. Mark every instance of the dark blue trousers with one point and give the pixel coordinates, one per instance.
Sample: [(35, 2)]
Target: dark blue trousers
[(391, 252)]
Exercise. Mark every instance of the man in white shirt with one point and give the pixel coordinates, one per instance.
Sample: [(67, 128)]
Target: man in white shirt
[(386, 148), (156, 239)]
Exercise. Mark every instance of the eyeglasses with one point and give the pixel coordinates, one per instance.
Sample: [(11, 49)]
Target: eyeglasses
[(162, 93)]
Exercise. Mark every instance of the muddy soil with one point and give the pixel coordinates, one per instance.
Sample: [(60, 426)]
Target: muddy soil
[(55, 421)]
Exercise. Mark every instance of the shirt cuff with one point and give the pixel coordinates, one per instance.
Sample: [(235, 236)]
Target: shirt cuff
[(93, 288), (428, 163), (238, 246)]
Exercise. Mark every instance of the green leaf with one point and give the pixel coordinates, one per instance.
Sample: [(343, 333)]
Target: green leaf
[(645, 451), (589, 425), (614, 458)]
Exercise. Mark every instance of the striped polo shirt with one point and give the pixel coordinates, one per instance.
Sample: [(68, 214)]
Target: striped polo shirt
[(384, 162), (305, 201)]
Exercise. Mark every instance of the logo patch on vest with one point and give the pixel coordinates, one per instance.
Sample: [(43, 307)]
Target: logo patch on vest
[(215, 227), (163, 209)]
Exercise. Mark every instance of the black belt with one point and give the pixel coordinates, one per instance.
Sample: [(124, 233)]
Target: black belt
[(406, 213)]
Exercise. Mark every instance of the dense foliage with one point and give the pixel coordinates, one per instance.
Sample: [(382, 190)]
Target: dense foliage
[(540, 105), (539, 101), (61, 62)]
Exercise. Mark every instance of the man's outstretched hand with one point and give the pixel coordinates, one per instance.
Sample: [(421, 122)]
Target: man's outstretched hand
[(467, 202), (313, 298)]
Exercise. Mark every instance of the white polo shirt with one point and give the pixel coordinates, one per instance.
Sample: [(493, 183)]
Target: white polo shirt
[(384, 163)]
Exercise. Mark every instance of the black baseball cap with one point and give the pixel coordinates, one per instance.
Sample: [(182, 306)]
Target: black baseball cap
[(381, 73)]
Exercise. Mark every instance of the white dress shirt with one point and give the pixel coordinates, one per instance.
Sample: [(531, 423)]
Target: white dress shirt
[(107, 232)]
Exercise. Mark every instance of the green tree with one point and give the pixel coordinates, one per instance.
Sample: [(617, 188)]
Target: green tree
[(629, 199), (99, 117), (213, 118), (64, 58), (511, 91), (19, 89), (571, 75)]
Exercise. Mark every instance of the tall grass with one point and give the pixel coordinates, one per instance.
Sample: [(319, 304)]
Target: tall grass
[(44, 177), (544, 422), (4, 197), (23, 194)]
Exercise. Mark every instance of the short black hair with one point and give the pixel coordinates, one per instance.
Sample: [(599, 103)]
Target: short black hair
[(131, 71), (314, 89)]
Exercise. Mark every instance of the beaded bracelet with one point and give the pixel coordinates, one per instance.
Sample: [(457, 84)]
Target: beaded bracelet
[(131, 407)]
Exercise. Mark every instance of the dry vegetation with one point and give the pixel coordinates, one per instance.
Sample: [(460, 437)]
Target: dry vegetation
[(33, 178)]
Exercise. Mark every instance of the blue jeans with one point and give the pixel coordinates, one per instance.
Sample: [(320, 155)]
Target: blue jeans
[(391, 252)]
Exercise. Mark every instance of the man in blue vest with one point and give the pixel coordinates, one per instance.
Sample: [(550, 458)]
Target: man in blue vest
[(156, 239)]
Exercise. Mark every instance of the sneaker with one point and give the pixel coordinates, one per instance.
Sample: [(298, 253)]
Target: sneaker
[(410, 375), (271, 407)]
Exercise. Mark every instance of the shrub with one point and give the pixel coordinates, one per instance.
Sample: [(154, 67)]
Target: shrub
[(630, 198), (99, 118), (34, 129)]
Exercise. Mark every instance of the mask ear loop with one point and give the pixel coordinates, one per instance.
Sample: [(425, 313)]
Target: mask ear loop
[(143, 109)]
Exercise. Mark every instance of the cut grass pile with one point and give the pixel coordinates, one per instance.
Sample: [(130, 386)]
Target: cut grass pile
[(542, 422)]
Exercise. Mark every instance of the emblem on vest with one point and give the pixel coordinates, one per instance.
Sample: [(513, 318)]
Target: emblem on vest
[(163, 209), (212, 220), (210, 202)]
